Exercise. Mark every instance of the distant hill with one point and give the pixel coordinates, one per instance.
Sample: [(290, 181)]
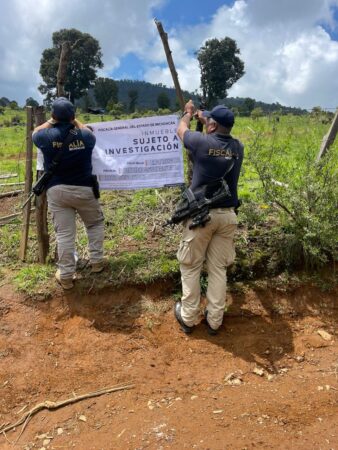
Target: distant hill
[(239, 102), (148, 94)]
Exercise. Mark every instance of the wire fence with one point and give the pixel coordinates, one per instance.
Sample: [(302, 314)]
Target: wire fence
[(13, 156), (13, 131)]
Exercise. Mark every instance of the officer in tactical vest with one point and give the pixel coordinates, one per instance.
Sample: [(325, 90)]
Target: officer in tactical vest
[(70, 189), (212, 154)]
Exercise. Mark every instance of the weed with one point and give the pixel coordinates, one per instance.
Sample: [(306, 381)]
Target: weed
[(149, 324), (34, 279), (269, 238), (156, 308), (144, 198), (137, 232)]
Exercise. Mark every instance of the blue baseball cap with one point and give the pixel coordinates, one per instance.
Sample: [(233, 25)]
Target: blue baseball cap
[(63, 110), (222, 115)]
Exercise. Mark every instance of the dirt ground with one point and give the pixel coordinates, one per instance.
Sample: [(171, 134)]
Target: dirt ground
[(11, 205), (269, 380)]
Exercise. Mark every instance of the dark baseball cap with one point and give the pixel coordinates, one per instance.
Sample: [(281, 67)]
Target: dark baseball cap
[(63, 110), (222, 115)]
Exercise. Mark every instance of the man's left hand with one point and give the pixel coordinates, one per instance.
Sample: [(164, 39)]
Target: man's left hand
[(189, 108)]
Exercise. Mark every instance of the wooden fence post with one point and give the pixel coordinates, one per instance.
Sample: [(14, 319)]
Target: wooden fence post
[(28, 184), (41, 203), (328, 138), (179, 94), (164, 38)]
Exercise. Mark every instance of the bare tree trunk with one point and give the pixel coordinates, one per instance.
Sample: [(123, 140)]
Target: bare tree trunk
[(174, 75), (171, 64), (61, 76)]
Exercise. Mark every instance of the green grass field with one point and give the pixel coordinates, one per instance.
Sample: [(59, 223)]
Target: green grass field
[(296, 135), (139, 250)]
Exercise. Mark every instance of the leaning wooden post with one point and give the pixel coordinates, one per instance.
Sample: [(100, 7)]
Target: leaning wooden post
[(328, 138), (164, 37), (62, 69), (41, 204), (61, 76), (28, 184), (171, 64)]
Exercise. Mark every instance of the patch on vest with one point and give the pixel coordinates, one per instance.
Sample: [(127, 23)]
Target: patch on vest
[(225, 152), (78, 144)]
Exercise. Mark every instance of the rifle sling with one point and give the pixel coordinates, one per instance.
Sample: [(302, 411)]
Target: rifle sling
[(61, 152), (190, 196)]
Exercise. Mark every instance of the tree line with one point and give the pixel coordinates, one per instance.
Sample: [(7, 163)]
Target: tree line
[(219, 63), (220, 67), (152, 97)]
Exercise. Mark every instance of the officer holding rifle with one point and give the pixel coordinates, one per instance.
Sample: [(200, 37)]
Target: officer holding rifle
[(67, 147), (216, 155)]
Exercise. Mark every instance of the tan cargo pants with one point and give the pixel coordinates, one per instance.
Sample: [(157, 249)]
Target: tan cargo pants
[(64, 201), (213, 244)]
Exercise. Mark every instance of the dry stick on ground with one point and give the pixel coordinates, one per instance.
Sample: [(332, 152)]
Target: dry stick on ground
[(5, 219), (12, 184), (55, 405), (11, 193), (8, 175), (160, 197)]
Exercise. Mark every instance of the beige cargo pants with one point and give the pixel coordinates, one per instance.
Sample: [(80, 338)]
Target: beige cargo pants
[(213, 244), (64, 201)]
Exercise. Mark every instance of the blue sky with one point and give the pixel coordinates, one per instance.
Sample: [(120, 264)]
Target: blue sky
[(174, 14), (289, 47), (332, 30), (305, 29), (180, 13)]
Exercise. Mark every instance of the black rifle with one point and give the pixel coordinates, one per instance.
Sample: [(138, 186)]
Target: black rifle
[(43, 181), (96, 186), (196, 205)]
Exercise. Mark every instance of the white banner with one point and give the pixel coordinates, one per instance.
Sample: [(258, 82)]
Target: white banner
[(39, 160), (138, 153)]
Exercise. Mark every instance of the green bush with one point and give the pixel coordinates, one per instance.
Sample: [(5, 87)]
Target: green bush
[(164, 112), (15, 120), (305, 194), (256, 113)]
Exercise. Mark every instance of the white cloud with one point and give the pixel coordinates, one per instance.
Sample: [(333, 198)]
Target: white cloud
[(27, 27), (288, 56)]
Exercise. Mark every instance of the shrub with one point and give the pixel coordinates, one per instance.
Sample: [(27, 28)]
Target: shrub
[(256, 113), (164, 112), (305, 195), (116, 109), (15, 120)]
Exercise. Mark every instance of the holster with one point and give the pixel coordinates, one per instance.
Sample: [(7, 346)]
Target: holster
[(95, 186)]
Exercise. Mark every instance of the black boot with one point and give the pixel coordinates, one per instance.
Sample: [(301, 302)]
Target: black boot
[(177, 312), (211, 331)]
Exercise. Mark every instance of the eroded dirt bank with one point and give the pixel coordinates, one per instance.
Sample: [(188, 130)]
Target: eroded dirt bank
[(269, 380)]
